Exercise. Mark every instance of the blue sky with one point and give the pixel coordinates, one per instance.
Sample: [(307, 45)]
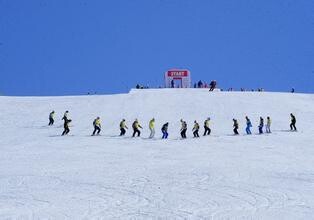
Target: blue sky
[(65, 47)]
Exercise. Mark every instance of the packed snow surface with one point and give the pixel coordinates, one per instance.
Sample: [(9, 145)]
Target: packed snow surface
[(46, 176)]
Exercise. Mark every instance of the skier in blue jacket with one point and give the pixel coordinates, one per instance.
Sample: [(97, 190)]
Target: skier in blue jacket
[(164, 131), (248, 125)]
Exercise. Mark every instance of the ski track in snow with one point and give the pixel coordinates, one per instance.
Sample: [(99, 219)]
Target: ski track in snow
[(46, 176)]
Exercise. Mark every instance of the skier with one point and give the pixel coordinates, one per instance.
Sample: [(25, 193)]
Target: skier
[(248, 125), (261, 125), (293, 122), (212, 85), (268, 124), (172, 83), (206, 127), (51, 118), (66, 123), (97, 126), (123, 127), (184, 128), (136, 126), (152, 128), (235, 126), (195, 129), (164, 131)]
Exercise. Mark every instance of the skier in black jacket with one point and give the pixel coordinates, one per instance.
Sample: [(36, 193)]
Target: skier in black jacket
[(235, 126), (51, 118), (206, 127), (261, 125), (66, 123), (293, 122)]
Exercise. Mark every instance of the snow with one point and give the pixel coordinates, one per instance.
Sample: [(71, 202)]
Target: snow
[(46, 176)]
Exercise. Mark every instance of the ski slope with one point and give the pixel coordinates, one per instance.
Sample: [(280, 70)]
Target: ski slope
[(46, 176)]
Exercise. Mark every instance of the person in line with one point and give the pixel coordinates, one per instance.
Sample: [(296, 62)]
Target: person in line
[(200, 84), (261, 125), (136, 128), (51, 118), (97, 126), (172, 83), (268, 124), (195, 129), (235, 126), (184, 128), (248, 125), (152, 128), (293, 122), (123, 127), (66, 123), (212, 85), (164, 130), (206, 127)]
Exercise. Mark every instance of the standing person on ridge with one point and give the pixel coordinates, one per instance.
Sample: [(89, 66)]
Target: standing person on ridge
[(51, 118), (206, 127), (152, 128), (184, 128), (123, 127), (164, 131), (293, 122), (261, 125), (66, 123), (97, 126), (195, 129), (136, 128), (248, 125), (268, 124), (235, 126)]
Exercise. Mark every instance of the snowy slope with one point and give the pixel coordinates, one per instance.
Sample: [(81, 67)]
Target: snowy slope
[(46, 176)]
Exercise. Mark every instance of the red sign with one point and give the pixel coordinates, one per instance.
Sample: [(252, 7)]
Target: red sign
[(178, 73)]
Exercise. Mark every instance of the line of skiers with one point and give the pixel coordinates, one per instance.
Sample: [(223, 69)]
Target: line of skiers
[(249, 125), (207, 131)]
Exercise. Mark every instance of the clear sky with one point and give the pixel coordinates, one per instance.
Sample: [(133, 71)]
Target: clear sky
[(64, 47)]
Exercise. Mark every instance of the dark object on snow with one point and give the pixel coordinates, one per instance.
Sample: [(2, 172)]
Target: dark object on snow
[(51, 120), (293, 122), (66, 125), (164, 131), (184, 128), (195, 129), (212, 85), (261, 125), (235, 126), (172, 83)]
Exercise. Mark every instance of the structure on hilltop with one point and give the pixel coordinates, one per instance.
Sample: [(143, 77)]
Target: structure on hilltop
[(178, 78)]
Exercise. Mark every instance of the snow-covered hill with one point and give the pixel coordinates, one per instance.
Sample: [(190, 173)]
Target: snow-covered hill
[(46, 176)]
